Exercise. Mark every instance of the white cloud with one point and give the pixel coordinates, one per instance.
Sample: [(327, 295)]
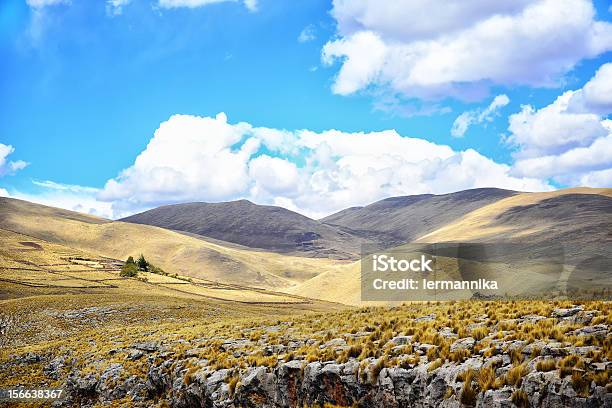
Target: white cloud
[(468, 46), (567, 164), (307, 34), (363, 55), (194, 158), (272, 175), (80, 202), (187, 155), (596, 95), (469, 118), (73, 188), (553, 129), (67, 196), (251, 5), (9, 167), (569, 140), (601, 178), (115, 7)]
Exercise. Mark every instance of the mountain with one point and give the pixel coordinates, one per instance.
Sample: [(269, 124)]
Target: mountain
[(256, 226), (575, 224), (576, 221), (397, 220), (174, 252)]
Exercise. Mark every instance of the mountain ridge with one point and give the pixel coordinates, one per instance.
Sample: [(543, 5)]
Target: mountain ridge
[(256, 226), (384, 223)]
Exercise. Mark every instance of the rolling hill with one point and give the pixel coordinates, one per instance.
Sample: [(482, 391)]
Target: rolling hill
[(173, 251), (396, 220), (386, 223), (579, 221), (256, 226)]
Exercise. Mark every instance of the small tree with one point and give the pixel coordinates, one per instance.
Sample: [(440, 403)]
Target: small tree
[(130, 260), (156, 269), (142, 263), (129, 270)]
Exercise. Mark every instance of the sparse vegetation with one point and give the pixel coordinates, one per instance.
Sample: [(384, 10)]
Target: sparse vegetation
[(377, 338), (486, 378), (142, 263), (129, 270), (240, 335), (468, 393), (548, 364), (520, 398), (515, 375)]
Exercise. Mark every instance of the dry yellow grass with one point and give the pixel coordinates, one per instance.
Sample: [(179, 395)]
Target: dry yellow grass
[(185, 326), (29, 274), (479, 223), (330, 280), (172, 251), (342, 283)]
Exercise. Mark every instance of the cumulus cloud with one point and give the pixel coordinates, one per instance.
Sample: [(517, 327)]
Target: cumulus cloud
[(469, 118), (596, 95), (569, 140), (9, 167), (468, 47), (187, 154), (251, 5), (601, 178), (193, 158), (553, 129), (272, 175)]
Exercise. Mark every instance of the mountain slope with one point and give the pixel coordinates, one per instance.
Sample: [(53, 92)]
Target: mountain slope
[(256, 226), (579, 221), (397, 220), (173, 251)]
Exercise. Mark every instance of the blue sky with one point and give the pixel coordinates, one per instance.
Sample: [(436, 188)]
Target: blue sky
[(85, 85)]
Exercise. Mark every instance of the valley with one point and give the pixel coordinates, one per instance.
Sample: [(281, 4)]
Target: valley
[(227, 324)]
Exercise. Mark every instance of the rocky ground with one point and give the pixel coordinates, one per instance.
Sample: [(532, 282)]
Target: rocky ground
[(489, 354)]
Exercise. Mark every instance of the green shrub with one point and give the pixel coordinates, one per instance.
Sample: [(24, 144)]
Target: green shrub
[(156, 269), (129, 270), (142, 263)]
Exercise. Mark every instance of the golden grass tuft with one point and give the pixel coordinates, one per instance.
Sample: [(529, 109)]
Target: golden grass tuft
[(545, 365), (581, 383), (233, 383), (468, 393), (520, 399), (435, 364), (515, 375), (486, 378), (480, 333)]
